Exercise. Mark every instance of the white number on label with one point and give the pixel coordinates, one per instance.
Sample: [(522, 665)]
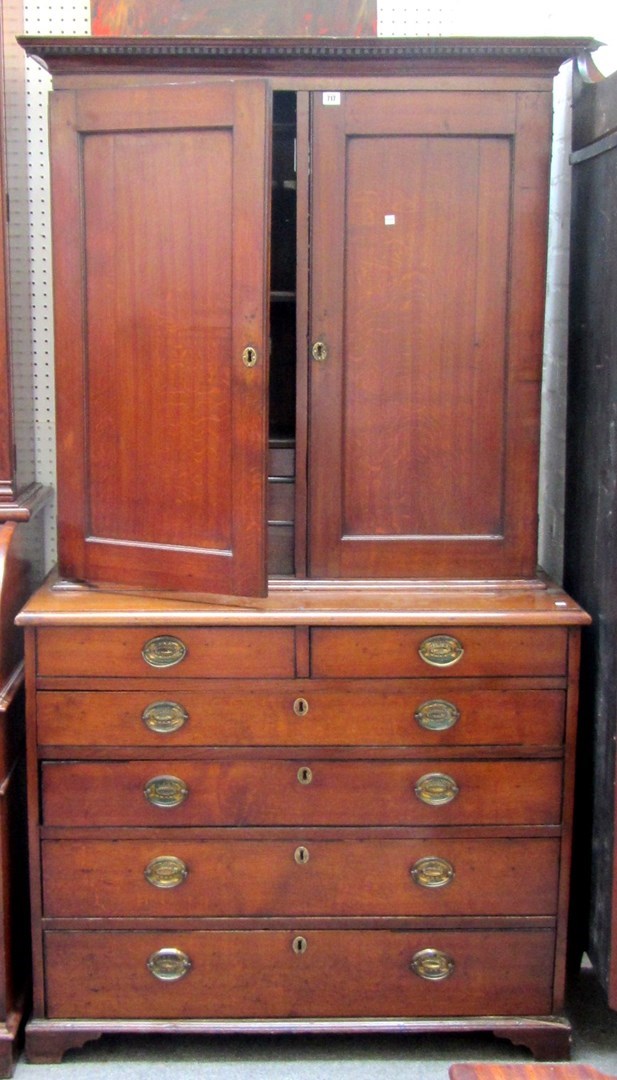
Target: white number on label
[(331, 97)]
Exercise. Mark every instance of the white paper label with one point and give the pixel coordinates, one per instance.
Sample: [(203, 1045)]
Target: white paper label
[(390, 219), (331, 97)]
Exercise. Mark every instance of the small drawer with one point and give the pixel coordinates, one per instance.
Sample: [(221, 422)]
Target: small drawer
[(299, 876), (176, 652), (304, 972), (397, 652), (419, 712), (307, 792)]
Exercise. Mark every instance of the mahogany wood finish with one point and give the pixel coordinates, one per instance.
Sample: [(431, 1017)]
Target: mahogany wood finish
[(297, 835), (254, 876), (161, 334), (344, 805), (305, 713), (439, 360)]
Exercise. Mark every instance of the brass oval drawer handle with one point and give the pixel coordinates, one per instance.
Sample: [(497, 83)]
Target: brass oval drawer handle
[(166, 791), (166, 872), (441, 650), (299, 945), (164, 651), (437, 715), (436, 789), (305, 775), (432, 964), (300, 706), (169, 965), (432, 872), (164, 717)]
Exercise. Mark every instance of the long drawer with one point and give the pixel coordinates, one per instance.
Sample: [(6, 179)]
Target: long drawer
[(418, 712), (221, 652), (283, 792), (399, 652), (299, 876), (305, 972)]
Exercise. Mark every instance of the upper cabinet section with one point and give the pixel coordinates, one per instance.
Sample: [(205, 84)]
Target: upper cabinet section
[(364, 262)]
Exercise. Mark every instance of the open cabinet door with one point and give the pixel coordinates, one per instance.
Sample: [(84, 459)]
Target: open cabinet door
[(160, 214)]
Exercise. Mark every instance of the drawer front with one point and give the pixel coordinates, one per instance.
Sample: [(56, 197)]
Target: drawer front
[(305, 973), (301, 792), (398, 652), (299, 876), (422, 714), (179, 652)]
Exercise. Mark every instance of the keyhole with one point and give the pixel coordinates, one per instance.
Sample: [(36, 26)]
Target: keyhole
[(301, 855), (320, 351), (305, 775), (301, 706), (299, 945), (249, 356)]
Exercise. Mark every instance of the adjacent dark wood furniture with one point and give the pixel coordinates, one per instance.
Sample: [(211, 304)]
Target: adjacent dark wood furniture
[(591, 549), (346, 804)]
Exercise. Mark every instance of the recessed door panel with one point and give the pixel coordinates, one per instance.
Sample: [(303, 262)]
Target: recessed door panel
[(162, 334), (424, 409)]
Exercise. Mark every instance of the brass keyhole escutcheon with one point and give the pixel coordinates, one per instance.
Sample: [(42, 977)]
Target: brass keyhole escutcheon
[(249, 356), (301, 706), (320, 351), (299, 945), (305, 775), (301, 855)]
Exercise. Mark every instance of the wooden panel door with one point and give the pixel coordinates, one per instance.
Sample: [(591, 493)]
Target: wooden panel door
[(427, 264), (160, 225)]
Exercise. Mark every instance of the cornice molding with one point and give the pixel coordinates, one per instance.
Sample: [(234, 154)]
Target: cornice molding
[(60, 54)]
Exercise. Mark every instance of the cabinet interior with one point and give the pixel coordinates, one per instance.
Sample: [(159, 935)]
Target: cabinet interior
[(283, 338)]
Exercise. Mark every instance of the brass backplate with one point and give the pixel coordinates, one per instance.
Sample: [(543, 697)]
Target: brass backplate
[(166, 791), (163, 651), (432, 964), (432, 872), (166, 872), (164, 717), (436, 789), (441, 650), (437, 715), (169, 965)]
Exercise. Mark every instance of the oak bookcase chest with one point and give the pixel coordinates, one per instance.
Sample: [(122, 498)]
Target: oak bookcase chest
[(302, 711)]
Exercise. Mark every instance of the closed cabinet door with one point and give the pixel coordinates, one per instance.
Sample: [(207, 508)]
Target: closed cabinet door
[(160, 240), (427, 265)]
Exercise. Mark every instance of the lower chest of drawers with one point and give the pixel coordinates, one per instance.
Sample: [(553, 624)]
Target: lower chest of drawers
[(364, 833)]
